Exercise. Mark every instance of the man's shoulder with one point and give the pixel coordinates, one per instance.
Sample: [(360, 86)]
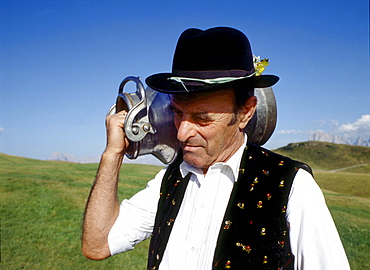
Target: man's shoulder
[(259, 150), (262, 153)]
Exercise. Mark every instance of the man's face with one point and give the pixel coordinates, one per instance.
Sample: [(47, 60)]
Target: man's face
[(204, 130)]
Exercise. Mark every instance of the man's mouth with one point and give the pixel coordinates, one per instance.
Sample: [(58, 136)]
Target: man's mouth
[(189, 147)]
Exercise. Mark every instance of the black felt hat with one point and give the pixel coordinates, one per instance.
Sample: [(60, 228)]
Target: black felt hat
[(208, 60)]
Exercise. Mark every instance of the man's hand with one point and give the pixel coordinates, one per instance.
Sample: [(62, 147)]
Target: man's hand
[(117, 142)]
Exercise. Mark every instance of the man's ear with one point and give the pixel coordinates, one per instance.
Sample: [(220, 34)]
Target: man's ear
[(247, 111)]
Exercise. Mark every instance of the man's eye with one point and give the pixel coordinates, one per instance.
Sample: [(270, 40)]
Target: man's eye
[(203, 119)]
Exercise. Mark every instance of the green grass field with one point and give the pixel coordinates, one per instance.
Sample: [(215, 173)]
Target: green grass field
[(42, 204)]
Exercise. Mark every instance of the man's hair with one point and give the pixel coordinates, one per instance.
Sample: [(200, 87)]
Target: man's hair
[(241, 95)]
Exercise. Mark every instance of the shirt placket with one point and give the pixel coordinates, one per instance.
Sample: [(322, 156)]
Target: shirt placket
[(202, 218)]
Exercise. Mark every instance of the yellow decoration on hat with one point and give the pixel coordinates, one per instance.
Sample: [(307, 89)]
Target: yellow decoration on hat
[(260, 65)]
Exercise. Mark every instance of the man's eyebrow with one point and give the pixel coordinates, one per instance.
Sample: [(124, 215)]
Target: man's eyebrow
[(202, 114)]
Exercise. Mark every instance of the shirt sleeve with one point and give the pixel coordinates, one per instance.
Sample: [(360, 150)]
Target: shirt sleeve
[(136, 218), (314, 238)]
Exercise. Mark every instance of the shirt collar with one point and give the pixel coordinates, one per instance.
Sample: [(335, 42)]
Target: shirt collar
[(233, 163)]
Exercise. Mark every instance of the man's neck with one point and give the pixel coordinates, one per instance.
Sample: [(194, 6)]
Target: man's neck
[(237, 146)]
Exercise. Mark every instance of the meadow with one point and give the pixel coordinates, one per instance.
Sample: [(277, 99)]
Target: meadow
[(42, 205)]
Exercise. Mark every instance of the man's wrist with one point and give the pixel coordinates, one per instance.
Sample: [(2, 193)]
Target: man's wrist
[(111, 154)]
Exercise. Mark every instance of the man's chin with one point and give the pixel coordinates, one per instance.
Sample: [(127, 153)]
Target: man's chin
[(194, 160)]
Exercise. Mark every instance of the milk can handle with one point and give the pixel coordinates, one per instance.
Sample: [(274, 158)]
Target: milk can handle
[(136, 130)]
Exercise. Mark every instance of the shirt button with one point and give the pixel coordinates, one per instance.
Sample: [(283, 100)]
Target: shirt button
[(202, 205), (193, 249)]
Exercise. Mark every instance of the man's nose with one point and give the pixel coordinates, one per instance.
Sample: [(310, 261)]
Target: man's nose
[(186, 130)]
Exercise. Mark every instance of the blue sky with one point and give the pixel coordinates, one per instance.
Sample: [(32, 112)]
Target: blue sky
[(61, 63)]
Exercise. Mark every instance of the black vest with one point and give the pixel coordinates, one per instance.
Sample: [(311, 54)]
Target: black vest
[(254, 233)]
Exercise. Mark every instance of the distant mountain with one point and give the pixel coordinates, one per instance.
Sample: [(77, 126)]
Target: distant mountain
[(362, 142), (325, 137), (57, 156)]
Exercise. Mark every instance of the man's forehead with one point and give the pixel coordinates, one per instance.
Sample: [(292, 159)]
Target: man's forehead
[(204, 102)]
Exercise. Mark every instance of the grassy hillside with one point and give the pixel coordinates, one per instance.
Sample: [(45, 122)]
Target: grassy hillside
[(42, 204), (329, 156)]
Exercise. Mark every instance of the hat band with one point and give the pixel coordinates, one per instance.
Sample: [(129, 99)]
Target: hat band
[(219, 80), (211, 74), (209, 81)]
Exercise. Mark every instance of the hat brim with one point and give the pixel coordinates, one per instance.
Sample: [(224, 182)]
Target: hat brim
[(161, 83)]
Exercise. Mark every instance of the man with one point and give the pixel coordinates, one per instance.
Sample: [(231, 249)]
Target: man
[(224, 202)]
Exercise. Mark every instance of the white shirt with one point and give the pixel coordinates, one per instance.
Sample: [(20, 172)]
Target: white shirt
[(314, 239)]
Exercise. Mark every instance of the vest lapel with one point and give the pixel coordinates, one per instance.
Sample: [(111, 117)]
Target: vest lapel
[(172, 193)]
